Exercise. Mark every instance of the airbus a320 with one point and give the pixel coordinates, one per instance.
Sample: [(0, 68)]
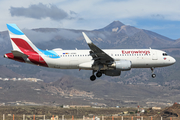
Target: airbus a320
[(101, 61)]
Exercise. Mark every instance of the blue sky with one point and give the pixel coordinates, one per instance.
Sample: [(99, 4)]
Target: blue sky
[(162, 16), (166, 28)]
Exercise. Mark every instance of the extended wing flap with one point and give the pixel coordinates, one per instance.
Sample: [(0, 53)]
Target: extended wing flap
[(18, 53), (97, 53)]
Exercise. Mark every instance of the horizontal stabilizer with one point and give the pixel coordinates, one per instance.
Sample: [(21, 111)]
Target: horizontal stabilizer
[(18, 53)]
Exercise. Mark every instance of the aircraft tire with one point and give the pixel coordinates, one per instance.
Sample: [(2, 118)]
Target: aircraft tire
[(98, 74), (153, 75), (93, 78)]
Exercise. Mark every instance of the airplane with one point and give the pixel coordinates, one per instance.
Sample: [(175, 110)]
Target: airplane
[(101, 61)]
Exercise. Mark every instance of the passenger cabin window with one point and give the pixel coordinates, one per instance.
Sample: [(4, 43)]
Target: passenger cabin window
[(165, 54)]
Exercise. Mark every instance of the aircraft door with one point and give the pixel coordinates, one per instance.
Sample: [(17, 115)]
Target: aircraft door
[(154, 55)]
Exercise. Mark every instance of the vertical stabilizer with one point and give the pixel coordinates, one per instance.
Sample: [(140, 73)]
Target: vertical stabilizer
[(23, 49), (19, 40)]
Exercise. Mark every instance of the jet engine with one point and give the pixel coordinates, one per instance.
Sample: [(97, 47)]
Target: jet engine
[(122, 65)]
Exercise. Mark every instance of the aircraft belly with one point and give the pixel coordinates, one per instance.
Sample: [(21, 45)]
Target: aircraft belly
[(142, 62), (146, 63), (73, 64), (64, 63)]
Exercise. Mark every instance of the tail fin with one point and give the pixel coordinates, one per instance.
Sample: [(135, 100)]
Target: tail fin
[(19, 40), (23, 49)]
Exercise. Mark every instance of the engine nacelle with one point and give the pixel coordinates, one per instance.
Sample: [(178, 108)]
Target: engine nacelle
[(112, 72), (123, 65)]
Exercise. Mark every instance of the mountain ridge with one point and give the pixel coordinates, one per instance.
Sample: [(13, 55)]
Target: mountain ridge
[(136, 83), (122, 36), (116, 33)]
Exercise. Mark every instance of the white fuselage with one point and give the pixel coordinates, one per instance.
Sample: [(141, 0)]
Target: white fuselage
[(140, 58)]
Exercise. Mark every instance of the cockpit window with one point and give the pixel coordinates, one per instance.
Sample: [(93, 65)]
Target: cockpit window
[(165, 54)]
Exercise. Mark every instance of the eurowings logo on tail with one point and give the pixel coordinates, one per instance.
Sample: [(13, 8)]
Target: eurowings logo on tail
[(14, 29), (23, 49)]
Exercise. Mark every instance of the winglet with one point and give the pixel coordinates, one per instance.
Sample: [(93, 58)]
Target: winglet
[(86, 38)]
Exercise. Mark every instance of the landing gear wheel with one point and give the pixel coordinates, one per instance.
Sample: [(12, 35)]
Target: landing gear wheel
[(153, 75), (99, 74), (93, 77)]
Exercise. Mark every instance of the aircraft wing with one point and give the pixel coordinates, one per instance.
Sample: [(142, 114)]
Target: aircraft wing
[(18, 53), (98, 54)]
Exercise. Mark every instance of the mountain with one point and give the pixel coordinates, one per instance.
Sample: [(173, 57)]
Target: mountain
[(114, 35), (70, 90), (116, 25), (132, 37), (136, 83), (7, 73)]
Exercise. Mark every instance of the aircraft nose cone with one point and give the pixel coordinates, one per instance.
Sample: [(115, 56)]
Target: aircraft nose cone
[(173, 60)]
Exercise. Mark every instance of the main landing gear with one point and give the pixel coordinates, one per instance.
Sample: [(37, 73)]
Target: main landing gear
[(153, 75), (98, 74), (93, 78)]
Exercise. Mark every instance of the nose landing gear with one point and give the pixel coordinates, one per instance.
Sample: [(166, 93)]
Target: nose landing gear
[(153, 75)]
